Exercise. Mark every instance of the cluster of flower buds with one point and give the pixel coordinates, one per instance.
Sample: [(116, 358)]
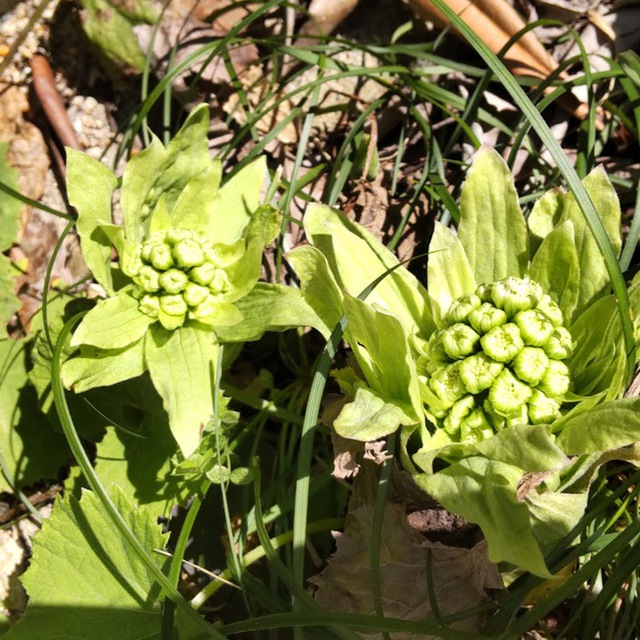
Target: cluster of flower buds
[(177, 275), (498, 362)]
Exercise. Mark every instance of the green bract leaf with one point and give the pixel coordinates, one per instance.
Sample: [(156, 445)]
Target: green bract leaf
[(492, 229), (83, 582), (545, 216), (485, 492), (270, 307), (198, 196), (556, 267), (357, 259), (594, 277), (113, 323), (383, 351), (236, 202), (182, 364), (607, 426), (369, 417), (90, 187), (103, 367), (449, 274)]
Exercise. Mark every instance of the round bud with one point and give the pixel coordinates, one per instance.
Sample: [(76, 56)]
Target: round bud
[(508, 394), (149, 279), (478, 372), (459, 341), (556, 380), (486, 317), (173, 280), (560, 345), (160, 257), (461, 308), (534, 327), (502, 343), (530, 365), (188, 253)]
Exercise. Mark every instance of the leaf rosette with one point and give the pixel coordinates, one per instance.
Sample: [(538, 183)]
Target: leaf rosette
[(186, 278), (512, 363)]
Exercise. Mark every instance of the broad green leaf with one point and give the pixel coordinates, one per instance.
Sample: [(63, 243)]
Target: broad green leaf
[(449, 274), (157, 171), (607, 426), (225, 315), (485, 492), (140, 464), (545, 216), (556, 267), (357, 259), (382, 349), (30, 449), (138, 10), (83, 582), (113, 323), (103, 367), (9, 302), (182, 364), (369, 417), (492, 229), (90, 187), (554, 515), (236, 202), (594, 277), (318, 285), (598, 344), (271, 307), (528, 447), (198, 197)]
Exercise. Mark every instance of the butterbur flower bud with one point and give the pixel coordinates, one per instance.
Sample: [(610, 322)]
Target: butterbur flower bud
[(459, 411), (176, 235), (173, 280), (447, 384), (514, 295), (459, 340), (150, 305), (173, 305), (508, 394), (461, 308), (502, 343), (560, 345), (160, 257), (484, 292), (205, 308), (486, 317), (194, 294), (542, 409), (530, 365), (149, 279), (551, 310), (435, 348), (478, 372), (220, 282), (517, 417), (534, 327), (203, 274), (555, 381), (188, 253), (475, 427)]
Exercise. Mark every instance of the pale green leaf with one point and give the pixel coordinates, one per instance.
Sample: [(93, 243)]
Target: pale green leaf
[(113, 323), (83, 582), (182, 364), (270, 307), (195, 206), (103, 367), (368, 417), (357, 259), (9, 302), (449, 274), (225, 314), (90, 187), (528, 447), (545, 216), (607, 426), (9, 206), (318, 285), (554, 515), (382, 349), (594, 277), (157, 171), (556, 267), (236, 202), (29, 448), (485, 492), (492, 229)]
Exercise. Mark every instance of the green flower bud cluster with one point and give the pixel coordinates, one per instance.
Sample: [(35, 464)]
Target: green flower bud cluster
[(497, 362), (177, 275)]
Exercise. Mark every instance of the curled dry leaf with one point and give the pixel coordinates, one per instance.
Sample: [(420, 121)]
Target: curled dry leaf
[(495, 21)]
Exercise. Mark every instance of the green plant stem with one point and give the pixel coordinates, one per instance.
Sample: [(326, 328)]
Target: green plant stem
[(70, 432), (33, 203), (562, 162)]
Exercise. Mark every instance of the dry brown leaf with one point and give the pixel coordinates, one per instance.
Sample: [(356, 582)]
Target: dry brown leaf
[(495, 21), (460, 577)]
